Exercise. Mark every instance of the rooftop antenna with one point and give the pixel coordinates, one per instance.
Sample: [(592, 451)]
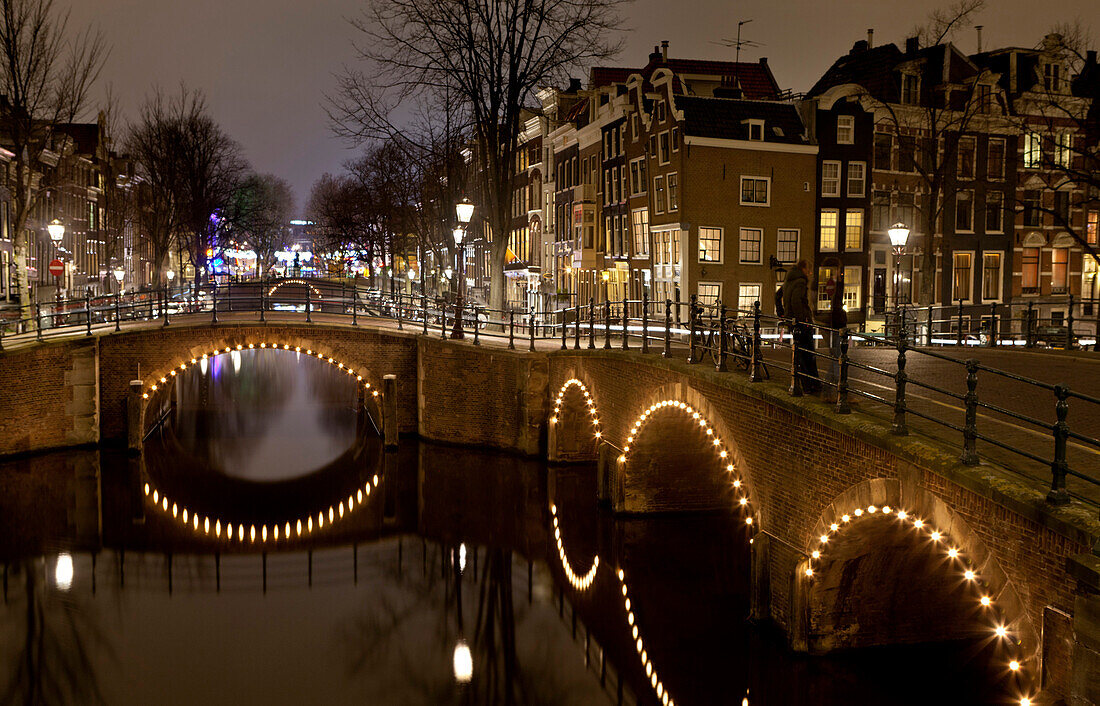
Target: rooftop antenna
[(738, 43)]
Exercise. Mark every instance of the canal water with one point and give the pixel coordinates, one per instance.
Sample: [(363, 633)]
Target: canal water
[(426, 575)]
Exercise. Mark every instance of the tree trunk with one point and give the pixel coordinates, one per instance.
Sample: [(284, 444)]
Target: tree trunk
[(928, 258), (26, 309)]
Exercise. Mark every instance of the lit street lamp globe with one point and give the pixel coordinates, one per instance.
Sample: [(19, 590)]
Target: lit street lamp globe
[(120, 274), (899, 235), (464, 210), (57, 230), (171, 275), (459, 234)]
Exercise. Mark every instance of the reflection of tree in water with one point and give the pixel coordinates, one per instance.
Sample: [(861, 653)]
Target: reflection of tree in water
[(407, 626), (53, 660), (298, 408)]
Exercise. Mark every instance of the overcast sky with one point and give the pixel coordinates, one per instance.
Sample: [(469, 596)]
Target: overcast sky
[(266, 64)]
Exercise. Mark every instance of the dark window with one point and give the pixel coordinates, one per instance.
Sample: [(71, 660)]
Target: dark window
[(1032, 214), (883, 145), (995, 168), (1061, 207), (907, 160)]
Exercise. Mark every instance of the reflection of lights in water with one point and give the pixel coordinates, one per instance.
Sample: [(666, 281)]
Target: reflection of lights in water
[(235, 356), (203, 365), (63, 572), (462, 557), (463, 663)]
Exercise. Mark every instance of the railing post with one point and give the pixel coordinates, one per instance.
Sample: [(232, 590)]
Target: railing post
[(842, 406), (691, 329), (626, 334), (591, 323), (38, 320), (443, 320), (607, 323), (931, 318), (564, 334), (400, 325), (118, 312), (512, 329), (531, 329), (88, 310), (959, 328), (577, 326), (993, 325), (424, 311), (1029, 333), (757, 371), (667, 353), (477, 326), (1070, 343), (263, 303), (900, 428), (214, 307), (721, 365), (645, 322), (355, 304), (309, 304), (1058, 494), (795, 389), (970, 428)]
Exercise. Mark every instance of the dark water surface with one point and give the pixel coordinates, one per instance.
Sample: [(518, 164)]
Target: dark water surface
[(110, 598)]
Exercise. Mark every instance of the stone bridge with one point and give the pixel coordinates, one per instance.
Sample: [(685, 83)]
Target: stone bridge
[(858, 537)]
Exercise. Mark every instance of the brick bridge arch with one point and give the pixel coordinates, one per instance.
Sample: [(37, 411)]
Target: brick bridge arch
[(890, 562), (574, 432)]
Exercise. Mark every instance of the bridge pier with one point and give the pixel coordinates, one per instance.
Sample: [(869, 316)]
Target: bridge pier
[(389, 410), (135, 421)]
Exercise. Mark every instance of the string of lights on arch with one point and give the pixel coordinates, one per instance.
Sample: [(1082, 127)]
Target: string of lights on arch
[(262, 345), (275, 287), (966, 570), (279, 531)]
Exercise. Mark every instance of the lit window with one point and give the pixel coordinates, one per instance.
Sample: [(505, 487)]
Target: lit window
[(673, 191), (857, 178), (750, 245), (910, 89), (991, 276), (756, 130), (961, 281), (1092, 227), (663, 142), (852, 287), (747, 296), (659, 194), (1033, 150), (829, 219), (1059, 270), (710, 245), (1029, 262), (710, 293), (853, 229), (640, 230)]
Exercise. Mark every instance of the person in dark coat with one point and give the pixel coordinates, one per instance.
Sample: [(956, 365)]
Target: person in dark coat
[(796, 305)]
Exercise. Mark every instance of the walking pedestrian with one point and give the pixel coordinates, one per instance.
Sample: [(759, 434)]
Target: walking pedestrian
[(796, 304)]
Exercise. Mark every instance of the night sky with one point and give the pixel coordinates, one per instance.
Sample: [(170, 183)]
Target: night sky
[(265, 64)]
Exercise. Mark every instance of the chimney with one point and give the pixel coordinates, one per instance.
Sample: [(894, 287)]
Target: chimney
[(859, 46), (763, 61), (912, 44), (656, 53), (870, 37), (979, 28), (1012, 73), (664, 50), (1090, 57), (574, 85)]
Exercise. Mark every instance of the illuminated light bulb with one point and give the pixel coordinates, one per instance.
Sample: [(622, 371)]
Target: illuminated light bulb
[(374, 479), (1001, 631), (630, 618), (809, 571), (629, 439), (309, 523), (702, 422), (320, 520), (252, 533), (953, 553), (935, 536), (163, 380), (969, 575), (308, 351), (206, 525), (1014, 665), (297, 349), (286, 347), (218, 528), (154, 387), (886, 509), (710, 432), (204, 357), (648, 668), (553, 420), (872, 509), (375, 393), (834, 527), (626, 604), (902, 514), (845, 518), (598, 435), (146, 488), (164, 503), (918, 523), (622, 458), (240, 533), (816, 554), (986, 601), (824, 538), (341, 509), (748, 520), (729, 468), (145, 395), (351, 502), (239, 346), (624, 589), (185, 516), (1025, 701), (195, 522), (251, 345), (626, 448), (368, 488), (743, 501), (722, 453), (183, 366), (634, 632), (660, 689), (621, 577), (193, 360), (299, 527), (859, 512), (172, 372), (737, 484), (175, 509), (639, 645)]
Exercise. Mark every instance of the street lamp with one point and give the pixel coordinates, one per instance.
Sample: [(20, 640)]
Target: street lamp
[(464, 212), (899, 235), (119, 274), (57, 231)]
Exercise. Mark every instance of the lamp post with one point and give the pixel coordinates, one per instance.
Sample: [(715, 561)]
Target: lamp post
[(899, 235), (464, 212), (120, 274), (56, 229)]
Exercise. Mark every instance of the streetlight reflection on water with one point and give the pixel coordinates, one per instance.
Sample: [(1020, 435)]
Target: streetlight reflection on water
[(63, 572), (463, 663)]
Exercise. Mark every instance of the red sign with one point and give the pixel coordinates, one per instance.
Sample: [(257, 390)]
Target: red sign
[(830, 287), (57, 268)]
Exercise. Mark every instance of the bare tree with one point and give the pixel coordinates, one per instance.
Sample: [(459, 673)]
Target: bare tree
[(491, 55), (259, 211), (119, 189), (46, 73), (337, 208)]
